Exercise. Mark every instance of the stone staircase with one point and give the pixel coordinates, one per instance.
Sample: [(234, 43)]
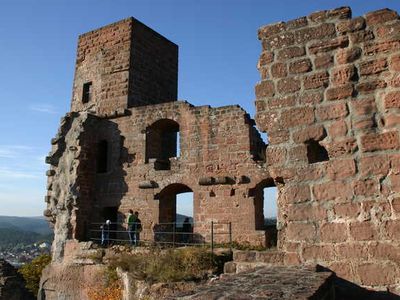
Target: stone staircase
[(244, 260)]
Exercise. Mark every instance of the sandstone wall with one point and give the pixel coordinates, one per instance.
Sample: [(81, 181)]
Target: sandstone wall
[(331, 83)]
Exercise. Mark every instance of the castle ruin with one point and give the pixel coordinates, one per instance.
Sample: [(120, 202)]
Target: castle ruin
[(329, 100)]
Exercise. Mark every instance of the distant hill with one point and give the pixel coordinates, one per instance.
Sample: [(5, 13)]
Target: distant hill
[(33, 224)]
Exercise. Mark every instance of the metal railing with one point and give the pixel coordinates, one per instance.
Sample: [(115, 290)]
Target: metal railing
[(165, 234)]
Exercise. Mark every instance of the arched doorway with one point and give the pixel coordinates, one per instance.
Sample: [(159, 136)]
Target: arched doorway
[(265, 208), (176, 207)]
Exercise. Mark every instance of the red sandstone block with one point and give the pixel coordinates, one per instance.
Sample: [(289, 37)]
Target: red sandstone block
[(278, 136), (326, 30), (392, 229), (276, 155), (300, 66), (288, 85), (396, 205), (339, 92), (366, 187), (265, 88), (311, 98), (395, 182), (326, 46), (391, 120), (395, 63), (347, 210), (323, 61), (342, 270), (306, 212), (311, 172), (333, 232), (374, 165), (376, 274), (298, 153), (316, 80), (388, 31), (342, 148), (361, 36), (341, 169), (382, 141), (343, 12), (278, 70), (380, 16), (344, 56), (395, 163), (363, 231), (351, 25), (296, 193), (291, 52), (394, 81), (351, 251), (300, 231), (324, 15), (363, 123), (364, 106), (314, 253), (266, 57), (272, 29), (291, 259), (343, 74), (374, 48), (280, 102), (370, 86), (260, 105), (314, 132), (373, 66), (337, 129), (392, 100), (297, 116), (278, 41), (338, 190), (331, 111), (384, 251)]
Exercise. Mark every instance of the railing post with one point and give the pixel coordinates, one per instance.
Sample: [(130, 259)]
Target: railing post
[(230, 236), (173, 234), (212, 238)]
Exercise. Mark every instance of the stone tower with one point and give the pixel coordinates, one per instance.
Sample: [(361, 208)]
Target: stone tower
[(124, 64)]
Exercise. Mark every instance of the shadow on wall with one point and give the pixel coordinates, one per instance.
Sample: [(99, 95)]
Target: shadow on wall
[(345, 290), (111, 157)]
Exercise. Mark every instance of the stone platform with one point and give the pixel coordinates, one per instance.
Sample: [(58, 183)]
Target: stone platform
[(271, 283)]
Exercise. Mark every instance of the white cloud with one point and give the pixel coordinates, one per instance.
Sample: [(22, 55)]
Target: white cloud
[(43, 108), (18, 174), (13, 151)]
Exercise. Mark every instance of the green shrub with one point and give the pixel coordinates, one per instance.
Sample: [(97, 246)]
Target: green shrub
[(33, 270)]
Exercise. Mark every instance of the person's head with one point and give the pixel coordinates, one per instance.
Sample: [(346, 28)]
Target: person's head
[(108, 222), (131, 211), (136, 213), (186, 219)]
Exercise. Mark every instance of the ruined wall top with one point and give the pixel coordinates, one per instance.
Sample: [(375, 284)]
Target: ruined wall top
[(124, 64)]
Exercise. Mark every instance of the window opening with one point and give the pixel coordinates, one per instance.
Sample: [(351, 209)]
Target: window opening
[(316, 152), (102, 157), (87, 92)]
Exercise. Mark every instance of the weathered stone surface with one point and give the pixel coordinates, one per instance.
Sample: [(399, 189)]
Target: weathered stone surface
[(271, 282)]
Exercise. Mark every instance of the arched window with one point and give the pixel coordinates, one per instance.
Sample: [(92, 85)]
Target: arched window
[(162, 142)]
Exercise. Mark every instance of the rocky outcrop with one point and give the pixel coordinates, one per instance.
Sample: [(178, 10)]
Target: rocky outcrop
[(12, 285)]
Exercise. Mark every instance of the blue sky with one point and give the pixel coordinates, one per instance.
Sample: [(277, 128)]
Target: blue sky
[(217, 66)]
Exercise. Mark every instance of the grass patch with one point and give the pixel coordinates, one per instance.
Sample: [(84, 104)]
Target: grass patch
[(171, 265)]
